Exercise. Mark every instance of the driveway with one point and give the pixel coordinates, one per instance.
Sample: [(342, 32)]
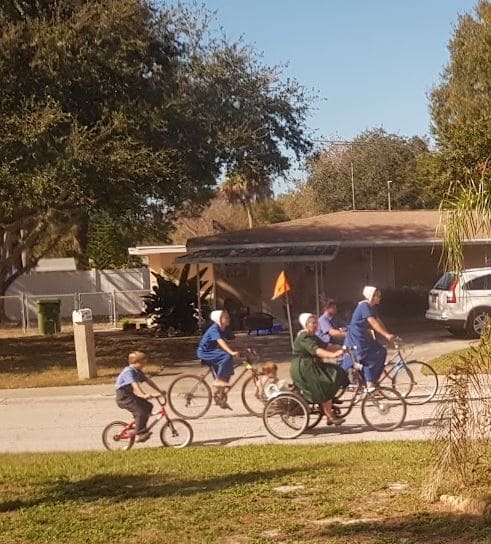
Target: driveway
[(72, 418)]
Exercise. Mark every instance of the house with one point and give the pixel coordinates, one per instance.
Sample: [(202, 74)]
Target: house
[(329, 255)]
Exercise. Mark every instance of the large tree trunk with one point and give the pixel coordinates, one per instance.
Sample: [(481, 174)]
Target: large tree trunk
[(248, 210), (80, 242)]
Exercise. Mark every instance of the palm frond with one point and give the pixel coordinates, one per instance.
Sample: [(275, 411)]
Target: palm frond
[(465, 215)]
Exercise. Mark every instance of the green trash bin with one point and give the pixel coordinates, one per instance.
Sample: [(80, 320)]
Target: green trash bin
[(49, 316)]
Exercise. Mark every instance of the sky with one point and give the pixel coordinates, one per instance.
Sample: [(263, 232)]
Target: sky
[(372, 62)]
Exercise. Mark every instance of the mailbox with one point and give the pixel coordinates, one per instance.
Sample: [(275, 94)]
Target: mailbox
[(82, 316)]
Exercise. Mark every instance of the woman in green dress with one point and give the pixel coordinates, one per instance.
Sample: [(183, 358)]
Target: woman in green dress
[(318, 381)]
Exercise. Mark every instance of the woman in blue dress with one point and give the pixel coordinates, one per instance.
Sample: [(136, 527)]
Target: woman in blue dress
[(364, 323), (214, 351)]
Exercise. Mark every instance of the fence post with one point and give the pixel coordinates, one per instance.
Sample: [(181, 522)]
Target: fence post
[(22, 312), (26, 310), (115, 316)]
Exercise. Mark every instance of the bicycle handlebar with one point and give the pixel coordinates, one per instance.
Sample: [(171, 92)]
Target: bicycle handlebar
[(162, 395)]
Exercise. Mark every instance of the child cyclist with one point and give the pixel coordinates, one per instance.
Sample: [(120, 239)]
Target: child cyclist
[(130, 396)]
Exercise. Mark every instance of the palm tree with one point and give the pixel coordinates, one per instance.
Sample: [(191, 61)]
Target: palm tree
[(462, 437), (239, 189), (465, 214)]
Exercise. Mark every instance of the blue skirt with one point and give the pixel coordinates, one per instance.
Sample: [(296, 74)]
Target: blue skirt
[(221, 362)]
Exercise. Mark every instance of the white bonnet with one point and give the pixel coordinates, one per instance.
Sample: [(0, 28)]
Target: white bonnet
[(216, 316), (369, 291), (303, 318)]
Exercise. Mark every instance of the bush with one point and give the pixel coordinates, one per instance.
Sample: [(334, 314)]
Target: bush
[(173, 305), (404, 302)]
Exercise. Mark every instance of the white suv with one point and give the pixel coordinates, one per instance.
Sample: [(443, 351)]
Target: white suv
[(462, 302)]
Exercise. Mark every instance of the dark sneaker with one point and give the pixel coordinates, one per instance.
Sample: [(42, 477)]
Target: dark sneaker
[(143, 437)]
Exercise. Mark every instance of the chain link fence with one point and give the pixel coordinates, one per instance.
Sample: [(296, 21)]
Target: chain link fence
[(18, 313)]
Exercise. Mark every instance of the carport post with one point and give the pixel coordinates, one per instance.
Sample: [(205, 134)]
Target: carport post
[(198, 294), (317, 301)]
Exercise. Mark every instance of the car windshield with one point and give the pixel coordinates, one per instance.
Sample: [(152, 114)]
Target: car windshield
[(445, 282)]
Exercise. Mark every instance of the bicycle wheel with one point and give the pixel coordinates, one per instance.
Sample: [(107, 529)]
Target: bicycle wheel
[(315, 416), (286, 416), (254, 394), (176, 433), (189, 396), (417, 382), (384, 409), (116, 437)]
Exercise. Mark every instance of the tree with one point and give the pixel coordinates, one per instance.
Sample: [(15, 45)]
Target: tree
[(373, 158), (461, 104), (219, 215), (122, 108), (300, 202), (237, 189), (270, 211)]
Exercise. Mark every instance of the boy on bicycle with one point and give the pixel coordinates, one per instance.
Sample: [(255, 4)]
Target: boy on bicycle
[(130, 396)]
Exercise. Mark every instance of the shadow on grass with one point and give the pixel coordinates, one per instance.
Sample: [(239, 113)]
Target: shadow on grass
[(422, 528), (122, 487)]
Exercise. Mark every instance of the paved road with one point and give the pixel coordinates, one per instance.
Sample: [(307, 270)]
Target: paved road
[(72, 418)]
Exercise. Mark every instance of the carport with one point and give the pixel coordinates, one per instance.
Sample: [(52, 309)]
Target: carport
[(328, 255)]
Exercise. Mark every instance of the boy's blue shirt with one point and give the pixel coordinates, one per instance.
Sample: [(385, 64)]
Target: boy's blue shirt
[(130, 375)]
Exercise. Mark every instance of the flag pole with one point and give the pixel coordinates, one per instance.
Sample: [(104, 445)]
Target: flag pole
[(290, 328)]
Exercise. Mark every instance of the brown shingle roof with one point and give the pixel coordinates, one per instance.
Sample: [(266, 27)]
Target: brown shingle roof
[(347, 227)]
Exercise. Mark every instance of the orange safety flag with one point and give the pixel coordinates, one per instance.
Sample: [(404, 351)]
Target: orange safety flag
[(282, 286)]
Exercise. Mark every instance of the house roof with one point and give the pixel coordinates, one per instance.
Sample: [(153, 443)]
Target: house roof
[(296, 240), (56, 264), (341, 227)]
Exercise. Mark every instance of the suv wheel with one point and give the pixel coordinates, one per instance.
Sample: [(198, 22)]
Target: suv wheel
[(478, 321)]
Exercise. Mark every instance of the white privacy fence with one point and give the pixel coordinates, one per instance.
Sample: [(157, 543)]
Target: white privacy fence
[(107, 307), (110, 294)]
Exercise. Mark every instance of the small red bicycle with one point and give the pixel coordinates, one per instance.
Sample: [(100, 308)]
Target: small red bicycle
[(175, 433)]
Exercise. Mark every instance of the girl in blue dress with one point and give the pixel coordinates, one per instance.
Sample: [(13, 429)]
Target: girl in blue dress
[(214, 351), (364, 323)]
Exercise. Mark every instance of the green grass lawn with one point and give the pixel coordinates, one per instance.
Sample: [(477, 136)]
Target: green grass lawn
[(357, 493)]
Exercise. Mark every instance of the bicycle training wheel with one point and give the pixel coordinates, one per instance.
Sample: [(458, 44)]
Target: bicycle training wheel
[(417, 382), (116, 437), (254, 394), (286, 416), (176, 433), (189, 396), (384, 409)]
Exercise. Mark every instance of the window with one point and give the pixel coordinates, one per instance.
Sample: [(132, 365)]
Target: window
[(482, 283), (445, 282)]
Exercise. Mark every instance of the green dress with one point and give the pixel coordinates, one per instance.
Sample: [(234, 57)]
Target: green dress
[(318, 381)]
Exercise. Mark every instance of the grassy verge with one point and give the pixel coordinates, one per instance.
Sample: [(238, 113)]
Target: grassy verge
[(365, 492), (445, 364)]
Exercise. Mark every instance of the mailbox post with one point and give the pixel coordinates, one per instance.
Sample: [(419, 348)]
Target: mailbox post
[(83, 333)]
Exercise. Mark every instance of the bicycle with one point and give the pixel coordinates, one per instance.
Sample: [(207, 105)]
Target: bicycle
[(175, 433), (416, 381), (287, 415), (190, 396)]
